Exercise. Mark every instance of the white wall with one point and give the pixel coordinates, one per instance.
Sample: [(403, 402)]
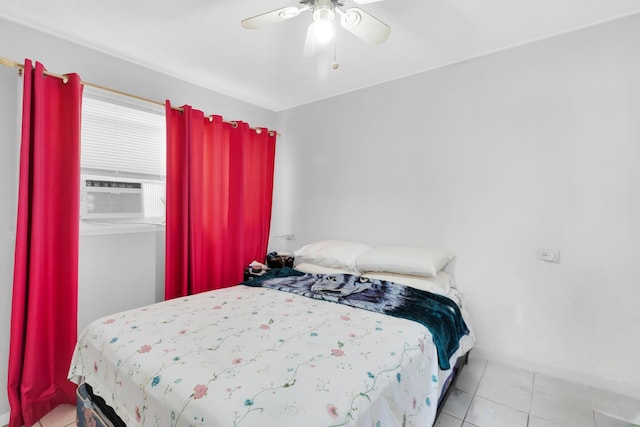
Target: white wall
[(533, 147), (8, 194), (117, 271)]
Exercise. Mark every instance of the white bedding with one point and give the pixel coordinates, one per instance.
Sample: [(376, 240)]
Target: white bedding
[(247, 356)]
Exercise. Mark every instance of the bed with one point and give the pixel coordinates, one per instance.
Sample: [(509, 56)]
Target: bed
[(322, 344)]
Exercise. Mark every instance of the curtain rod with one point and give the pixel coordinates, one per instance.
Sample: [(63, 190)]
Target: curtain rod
[(10, 63)]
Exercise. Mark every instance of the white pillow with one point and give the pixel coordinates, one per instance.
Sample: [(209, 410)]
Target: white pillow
[(318, 269), (331, 253), (424, 262), (432, 285), (444, 279)]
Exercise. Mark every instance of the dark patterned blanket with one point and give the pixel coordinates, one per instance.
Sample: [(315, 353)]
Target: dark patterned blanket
[(437, 313)]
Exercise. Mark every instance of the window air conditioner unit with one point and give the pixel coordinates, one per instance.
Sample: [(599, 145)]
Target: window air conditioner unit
[(110, 198)]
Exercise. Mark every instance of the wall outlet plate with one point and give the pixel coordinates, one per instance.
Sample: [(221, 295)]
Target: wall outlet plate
[(549, 255)]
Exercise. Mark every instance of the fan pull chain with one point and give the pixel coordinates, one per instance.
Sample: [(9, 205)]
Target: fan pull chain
[(335, 64)]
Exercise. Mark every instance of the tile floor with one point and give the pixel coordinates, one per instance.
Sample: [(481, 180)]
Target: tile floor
[(62, 416), (488, 394)]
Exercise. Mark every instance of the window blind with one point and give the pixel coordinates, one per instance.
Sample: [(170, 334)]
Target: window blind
[(126, 138), (120, 139)]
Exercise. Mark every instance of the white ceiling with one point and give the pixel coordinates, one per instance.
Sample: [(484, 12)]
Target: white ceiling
[(201, 41)]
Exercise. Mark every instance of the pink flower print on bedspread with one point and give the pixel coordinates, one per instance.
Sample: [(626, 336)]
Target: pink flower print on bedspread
[(332, 410), (337, 352), (200, 391), (145, 349)]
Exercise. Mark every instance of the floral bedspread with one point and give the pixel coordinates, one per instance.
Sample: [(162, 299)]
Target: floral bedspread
[(245, 356)]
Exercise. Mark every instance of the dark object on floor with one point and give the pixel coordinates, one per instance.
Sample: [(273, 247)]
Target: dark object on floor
[(93, 411)]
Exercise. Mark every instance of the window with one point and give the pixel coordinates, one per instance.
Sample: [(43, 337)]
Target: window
[(123, 145)]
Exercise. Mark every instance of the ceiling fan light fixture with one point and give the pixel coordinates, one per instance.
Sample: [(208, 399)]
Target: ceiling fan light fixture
[(323, 17), (322, 30), (323, 14)]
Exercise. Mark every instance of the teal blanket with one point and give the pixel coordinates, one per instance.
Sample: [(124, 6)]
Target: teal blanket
[(437, 313)]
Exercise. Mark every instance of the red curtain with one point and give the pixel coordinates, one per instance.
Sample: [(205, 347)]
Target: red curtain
[(45, 283), (259, 154), (219, 188)]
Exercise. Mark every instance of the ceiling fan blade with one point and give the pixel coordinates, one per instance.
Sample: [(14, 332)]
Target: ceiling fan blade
[(366, 1), (363, 25), (272, 17)]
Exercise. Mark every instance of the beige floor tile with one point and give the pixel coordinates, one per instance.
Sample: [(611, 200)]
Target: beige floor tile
[(485, 413), (61, 416), (506, 385), (617, 406), (565, 412)]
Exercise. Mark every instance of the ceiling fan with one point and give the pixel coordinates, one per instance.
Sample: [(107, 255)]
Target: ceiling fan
[(355, 20)]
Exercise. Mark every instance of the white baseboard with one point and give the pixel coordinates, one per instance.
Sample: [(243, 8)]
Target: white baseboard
[(629, 390), (4, 419)]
